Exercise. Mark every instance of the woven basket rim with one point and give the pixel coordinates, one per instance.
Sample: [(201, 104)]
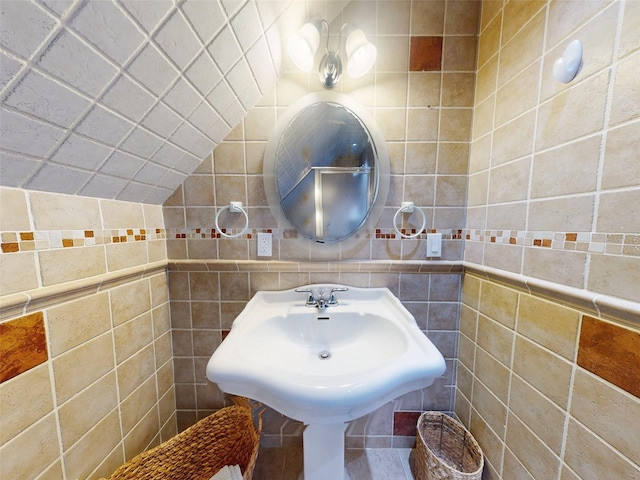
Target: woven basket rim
[(433, 414)]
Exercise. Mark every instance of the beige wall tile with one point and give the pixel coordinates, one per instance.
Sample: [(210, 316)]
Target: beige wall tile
[(516, 96), (93, 448), (455, 124), (471, 291), (229, 157), (116, 214), (129, 301), (494, 375), (124, 255), (607, 410), (625, 104), (616, 276), (76, 322), (549, 324), (499, 303), (78, 368), (424, 89), (621, 168), (19, 272), (530, 451), (512, 468), (613, 218), (486, 78), (483, 117), (32, 388), (142, 435), (468, 322), (462, 18), (80, 414), (506, 217), (514, 139), (491, 444), (563, 267), (199, 190), (67, 264), (522, 49), (510, 182), (466, 351), (592, 459), (132, 336), (37, 442), (503, 256), (565, 214), (629, 38), (54, 211), (153, 217), (489, 41), (547, 372), (585, 100), (13, 205), (495, 338), (538, 413), (517, 14), (135, 370), (571, 168), (138, 404)]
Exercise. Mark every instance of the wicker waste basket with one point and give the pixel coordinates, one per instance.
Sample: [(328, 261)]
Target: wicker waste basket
[(227, 437), (445, 450)]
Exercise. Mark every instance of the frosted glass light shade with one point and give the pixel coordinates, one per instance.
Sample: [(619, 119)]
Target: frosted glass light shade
[(302, 46), (361, 54)]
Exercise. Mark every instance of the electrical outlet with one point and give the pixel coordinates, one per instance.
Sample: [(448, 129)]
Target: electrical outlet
[(264, 244)]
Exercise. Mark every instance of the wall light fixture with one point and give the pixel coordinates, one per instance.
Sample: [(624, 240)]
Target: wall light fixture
[(361, 54)]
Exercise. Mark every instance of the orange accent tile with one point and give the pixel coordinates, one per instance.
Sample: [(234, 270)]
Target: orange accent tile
[(24, 345), (537, 242), (610, 351), (116, 239), (493, 239), (129, 232), (123, 238), (571, 237), (143, 237), (513, 240), (143, 231), (26, 236), (67, 242), (425, 54), (88, 234), (546, 242), (137, 238), (10, 247)]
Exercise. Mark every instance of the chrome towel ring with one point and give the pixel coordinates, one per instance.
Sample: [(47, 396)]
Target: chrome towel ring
[(233, 207)]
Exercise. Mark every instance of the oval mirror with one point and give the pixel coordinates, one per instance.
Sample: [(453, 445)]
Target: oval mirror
[(326, 168)]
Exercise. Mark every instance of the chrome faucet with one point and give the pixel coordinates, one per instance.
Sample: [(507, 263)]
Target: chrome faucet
[(322, 301)]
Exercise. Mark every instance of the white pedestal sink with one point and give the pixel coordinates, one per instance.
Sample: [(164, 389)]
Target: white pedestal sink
[(324, 366)]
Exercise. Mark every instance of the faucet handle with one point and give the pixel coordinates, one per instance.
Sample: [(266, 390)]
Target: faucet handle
[(311, 301), (332, 297)]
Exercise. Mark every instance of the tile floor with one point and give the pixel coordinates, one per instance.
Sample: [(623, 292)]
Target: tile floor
[(363, 464)]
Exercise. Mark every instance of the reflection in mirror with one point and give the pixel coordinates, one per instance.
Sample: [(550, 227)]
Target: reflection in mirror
[(326, 168)]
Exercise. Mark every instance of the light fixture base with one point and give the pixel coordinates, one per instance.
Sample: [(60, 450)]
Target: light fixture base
[(330, 70)]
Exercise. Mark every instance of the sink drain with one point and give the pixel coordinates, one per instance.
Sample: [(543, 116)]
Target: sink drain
[(324, 355)]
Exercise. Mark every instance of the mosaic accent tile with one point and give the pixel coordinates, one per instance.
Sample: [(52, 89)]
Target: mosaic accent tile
[(612, 352), (24, 345)]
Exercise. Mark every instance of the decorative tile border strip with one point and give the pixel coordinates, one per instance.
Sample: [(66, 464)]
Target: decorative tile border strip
[(609, 243), (626, 244), (52, 239)]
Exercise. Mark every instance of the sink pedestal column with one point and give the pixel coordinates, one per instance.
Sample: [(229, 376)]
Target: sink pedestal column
[(323, 448)]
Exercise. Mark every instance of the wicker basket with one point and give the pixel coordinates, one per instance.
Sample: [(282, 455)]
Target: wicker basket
[(446, 450), (226, 437)]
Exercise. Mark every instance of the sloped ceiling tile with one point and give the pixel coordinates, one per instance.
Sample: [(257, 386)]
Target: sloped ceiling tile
[(122, 99)]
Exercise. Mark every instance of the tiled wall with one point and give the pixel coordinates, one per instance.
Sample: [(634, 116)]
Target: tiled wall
[(553, 175), (124, 99), (207, 296), (422, 102), (86, 365), (548, 390), (422, 108)]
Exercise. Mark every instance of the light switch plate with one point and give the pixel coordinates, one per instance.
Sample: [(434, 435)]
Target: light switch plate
[(264, 244), (434, 245)]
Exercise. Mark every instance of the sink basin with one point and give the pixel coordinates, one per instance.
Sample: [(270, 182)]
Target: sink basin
[(325, 366)]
